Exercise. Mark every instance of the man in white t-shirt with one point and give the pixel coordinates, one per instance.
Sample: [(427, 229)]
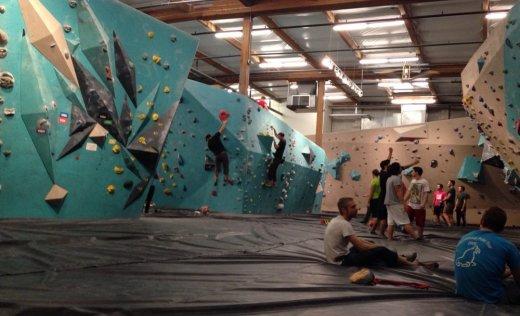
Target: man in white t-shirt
[(416, 198), (342, 246)]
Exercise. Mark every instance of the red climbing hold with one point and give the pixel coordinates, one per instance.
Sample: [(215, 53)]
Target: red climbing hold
[(223, 115), (262, 103)]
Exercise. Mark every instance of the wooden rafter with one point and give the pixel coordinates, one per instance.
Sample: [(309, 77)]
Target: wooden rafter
[(345, 36), (432, 71), (229, 71), (310, 59), (224, 9), (237, 44), (485, 7)]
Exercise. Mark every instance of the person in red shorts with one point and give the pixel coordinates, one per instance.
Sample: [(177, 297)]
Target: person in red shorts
[(415, 199)]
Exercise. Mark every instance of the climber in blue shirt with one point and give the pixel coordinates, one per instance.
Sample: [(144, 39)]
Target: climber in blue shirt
[(480, 262)]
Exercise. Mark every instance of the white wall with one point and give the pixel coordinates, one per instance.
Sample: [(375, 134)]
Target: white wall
[(304, 123)]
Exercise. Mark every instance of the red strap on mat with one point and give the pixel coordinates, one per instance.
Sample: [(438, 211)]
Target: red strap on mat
[(422, 286)]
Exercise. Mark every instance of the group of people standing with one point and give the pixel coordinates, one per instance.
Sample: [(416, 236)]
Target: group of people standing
[(391, 203)]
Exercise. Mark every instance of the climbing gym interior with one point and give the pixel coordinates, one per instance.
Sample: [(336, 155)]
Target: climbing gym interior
[(199, 157)]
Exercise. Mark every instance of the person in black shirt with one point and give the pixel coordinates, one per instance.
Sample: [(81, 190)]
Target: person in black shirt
[(449, 205), (221, 157), (277, 159)]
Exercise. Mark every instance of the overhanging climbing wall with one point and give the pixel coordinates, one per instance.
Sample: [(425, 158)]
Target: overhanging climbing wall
[(88, 93), (491, 88), (184, 183), (446, 150)]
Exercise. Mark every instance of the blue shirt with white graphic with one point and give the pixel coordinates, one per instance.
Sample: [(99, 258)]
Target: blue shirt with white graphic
[(480, 260)]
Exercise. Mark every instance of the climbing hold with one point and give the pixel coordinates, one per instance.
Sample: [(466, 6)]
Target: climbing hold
[(173, 38), (128, 184), (145, 56), (3, 38), (67, 28), (9, 112), (166, 89), (6, 80), (452, 152), (166, 66), (2, 9), (139, 88), (150, 34), (118, 169), (142, 140), (355, 175), (73, 3), (155, 117), (3, 52), (223, 115), (156, 59), (141, 116), (116, 149), (56, 195), (167, 191), (111, 189), (7, 153)]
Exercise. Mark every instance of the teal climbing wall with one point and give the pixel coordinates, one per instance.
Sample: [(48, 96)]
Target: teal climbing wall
[(185, 184), (119, 71)]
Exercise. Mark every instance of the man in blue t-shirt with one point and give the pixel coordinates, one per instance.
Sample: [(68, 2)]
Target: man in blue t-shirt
[(481, 258)]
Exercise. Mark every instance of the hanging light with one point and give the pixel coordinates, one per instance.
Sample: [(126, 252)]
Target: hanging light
[(293, 86)]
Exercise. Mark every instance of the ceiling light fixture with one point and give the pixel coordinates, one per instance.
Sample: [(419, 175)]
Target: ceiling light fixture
[(496, 15), (293, 86), (297, 64), (230, 34), (357, 26), (377, 61), (327, 62), (428, 99)]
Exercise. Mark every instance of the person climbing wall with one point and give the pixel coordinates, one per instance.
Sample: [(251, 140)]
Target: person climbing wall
[(262, 103), (277, 159), (217, 148)]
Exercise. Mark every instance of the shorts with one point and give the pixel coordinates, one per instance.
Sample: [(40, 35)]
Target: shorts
[(397, 215), (437, 210), (448, 209), (222, 160), (419, 215), (379, 210)]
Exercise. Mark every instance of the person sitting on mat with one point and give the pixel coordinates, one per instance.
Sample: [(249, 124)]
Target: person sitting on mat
[(277, 159), (221, 157), (480, 262), (339, 235)]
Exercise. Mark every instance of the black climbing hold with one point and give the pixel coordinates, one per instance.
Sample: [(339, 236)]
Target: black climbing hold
[(125, 70)]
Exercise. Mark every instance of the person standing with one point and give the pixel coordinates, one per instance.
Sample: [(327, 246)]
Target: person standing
[(373, 201), (277, 159), (438, 203), (449, 201), (221, 157), (417, 196), (460, 205), (394, 200), (481, 261)]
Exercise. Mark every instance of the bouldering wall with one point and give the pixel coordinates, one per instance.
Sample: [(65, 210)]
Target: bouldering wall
[(183, 182), (88, 93), (491, 88), (446, 150)]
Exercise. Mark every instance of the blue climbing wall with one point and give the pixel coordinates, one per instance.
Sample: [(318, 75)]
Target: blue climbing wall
[(183, 182), (83, 69)]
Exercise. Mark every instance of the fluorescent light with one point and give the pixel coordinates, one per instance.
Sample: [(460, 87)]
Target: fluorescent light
[(413, 107), (226, 21), (375, 42), (283, 64), (349, 27), (401, 41), (496, 15), (272, 48), (335, 97), (261, 32), (228, 34), (373, 61), (375, 25), (293, 86), (327, 62), (285, 60), (403, 60), (414, 100)]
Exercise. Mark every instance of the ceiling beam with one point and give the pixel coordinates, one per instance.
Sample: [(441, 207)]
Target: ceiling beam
[(229, 71), (237, 44), (432, 71), (225, 9), (310, 59), (345, 36), (485, 7)]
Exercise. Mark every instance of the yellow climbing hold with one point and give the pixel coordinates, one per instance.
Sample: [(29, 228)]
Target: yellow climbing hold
[(116, 149), (141, 116), (118, 169), (111, 189), (142, 140), (167, 191), (150, 34), (174, 185), (161, 180), (166, 89), (149, 103), (155, 117), (165, 166), (112, 141), (156, 59)]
